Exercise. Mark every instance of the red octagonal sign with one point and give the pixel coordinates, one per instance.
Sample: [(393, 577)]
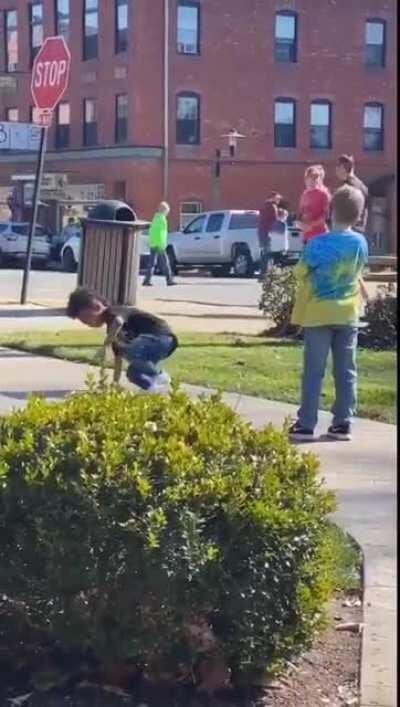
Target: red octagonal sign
[(50, 73)]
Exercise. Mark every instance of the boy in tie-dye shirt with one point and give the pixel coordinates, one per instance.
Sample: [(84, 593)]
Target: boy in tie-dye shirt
[(327, 307)]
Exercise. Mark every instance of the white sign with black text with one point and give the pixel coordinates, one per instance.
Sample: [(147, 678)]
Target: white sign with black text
[(19, 136)]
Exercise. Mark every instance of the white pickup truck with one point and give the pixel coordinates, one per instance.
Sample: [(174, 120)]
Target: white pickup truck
[(226, 241)]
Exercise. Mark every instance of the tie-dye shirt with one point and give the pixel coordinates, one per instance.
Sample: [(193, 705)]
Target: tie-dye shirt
[(328, 280)]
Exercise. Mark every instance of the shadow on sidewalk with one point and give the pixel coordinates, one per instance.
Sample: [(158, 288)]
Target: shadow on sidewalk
[(213, 316), (8, 353), (32, 313), (205, 303)]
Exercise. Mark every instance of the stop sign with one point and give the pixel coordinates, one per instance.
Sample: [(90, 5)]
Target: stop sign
[(50, 73)]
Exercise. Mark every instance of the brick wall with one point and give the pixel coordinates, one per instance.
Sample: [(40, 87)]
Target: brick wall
[(238, 79)]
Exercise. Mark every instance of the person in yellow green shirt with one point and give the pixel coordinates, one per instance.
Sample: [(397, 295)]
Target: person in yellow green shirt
[(327, 306), (158, 238)]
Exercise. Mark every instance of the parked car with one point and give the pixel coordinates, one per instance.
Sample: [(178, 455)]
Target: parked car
[(71, 250), (14, 243), (226, 241)]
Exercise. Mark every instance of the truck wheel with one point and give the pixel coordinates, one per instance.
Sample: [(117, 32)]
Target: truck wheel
[(221, 271), (68, 261), (243, 265), (172, 261)]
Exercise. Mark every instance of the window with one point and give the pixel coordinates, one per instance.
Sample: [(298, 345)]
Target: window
[(214, 223), (63, 125), (375, 41), (373, 127), (196, 226), (285, 122), (188, 119), (62, 18), (90, 122), (21, 230), (12, 115), (239, 222), (320, 123), (286, 37), (36, 28), (34, 114), (189, 209), (121, 118), (90, 29), (121, 25), (11, 39), (188, 35)]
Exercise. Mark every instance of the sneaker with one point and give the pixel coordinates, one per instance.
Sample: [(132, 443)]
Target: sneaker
[(161, 384), (163, 378), (171, 283), (299, 433), (147, 284), (340, 432)]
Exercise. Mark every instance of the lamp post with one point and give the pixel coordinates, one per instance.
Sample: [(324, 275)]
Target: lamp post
[(233, 136)]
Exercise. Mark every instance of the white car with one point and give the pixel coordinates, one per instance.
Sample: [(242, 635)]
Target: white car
[(224, 241), (14, 243), (70, 252)]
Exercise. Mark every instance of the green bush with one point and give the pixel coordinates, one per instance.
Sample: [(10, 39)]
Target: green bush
[(278, 295), (131, 523), (381, 318)]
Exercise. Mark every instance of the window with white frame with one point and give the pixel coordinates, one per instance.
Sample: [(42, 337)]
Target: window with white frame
[(373, 127), (321, 125), (188, 211), (188, 30)]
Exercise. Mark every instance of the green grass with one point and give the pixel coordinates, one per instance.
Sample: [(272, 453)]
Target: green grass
[(345, 559), (268, 368)]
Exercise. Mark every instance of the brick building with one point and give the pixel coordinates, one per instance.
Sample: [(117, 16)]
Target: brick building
[(156, 83)]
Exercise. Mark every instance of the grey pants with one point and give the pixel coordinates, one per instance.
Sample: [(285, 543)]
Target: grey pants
[(160, 257)]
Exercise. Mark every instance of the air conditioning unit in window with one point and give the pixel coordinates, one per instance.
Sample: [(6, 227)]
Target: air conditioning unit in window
[(187, 48)]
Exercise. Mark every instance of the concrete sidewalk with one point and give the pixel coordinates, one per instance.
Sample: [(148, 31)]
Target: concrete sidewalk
[(362, 473)]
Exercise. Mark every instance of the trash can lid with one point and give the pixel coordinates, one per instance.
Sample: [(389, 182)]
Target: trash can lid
[(115, 211)]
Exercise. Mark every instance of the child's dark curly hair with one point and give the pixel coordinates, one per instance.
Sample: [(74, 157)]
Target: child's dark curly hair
[(82, 298)]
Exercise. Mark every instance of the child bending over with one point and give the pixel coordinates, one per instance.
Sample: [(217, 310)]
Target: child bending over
[(140, 338)]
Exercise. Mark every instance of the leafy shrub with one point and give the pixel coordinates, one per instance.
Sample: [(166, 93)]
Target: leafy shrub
[(381, 317), (130, 525), (277, 297)]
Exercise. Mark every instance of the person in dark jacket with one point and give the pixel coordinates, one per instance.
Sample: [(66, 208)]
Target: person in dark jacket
[(138, 337), (346, 175), (268, 216)]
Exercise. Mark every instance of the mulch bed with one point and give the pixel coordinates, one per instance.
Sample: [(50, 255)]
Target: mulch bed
[(327, 675)]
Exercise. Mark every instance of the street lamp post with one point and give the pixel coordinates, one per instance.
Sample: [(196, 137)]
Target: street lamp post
[(233, 136)]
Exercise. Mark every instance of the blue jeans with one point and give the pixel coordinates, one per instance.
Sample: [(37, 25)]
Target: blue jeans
[(318, 341), (266, 260), (144, 355), (160, 257)]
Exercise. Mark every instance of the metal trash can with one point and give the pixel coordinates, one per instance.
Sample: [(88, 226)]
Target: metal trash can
[(110, 252)]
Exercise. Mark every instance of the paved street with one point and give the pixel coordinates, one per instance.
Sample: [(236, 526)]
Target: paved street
[(197, 303), (362, 472)]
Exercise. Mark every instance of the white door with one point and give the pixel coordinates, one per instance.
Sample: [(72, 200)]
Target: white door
[(189, 243), (295, 240), (210, 245)]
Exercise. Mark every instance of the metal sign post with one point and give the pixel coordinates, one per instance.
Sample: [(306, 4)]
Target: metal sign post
[(50, 78), (35, 204)]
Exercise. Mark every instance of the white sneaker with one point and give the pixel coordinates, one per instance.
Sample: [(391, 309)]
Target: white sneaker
[(161, 384), (163, 378)]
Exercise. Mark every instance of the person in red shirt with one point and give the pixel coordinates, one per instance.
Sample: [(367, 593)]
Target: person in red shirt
[(314, 203)]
